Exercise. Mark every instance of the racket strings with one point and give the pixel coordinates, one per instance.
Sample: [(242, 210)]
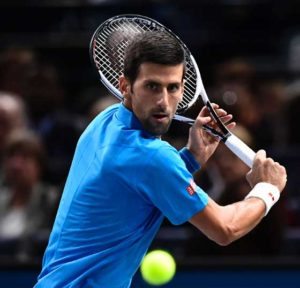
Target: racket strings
[(109, 51), (109, 46)]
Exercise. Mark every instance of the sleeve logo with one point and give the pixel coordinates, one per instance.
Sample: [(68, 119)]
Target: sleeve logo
[(191, 189)]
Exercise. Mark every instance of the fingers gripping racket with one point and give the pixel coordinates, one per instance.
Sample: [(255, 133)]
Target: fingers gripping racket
[(107, 50)]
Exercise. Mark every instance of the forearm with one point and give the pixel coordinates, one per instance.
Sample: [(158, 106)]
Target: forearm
[(262, 195), (241, 217), (225, 224)]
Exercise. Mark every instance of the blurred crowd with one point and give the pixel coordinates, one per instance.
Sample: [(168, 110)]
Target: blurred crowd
[(38, 135)]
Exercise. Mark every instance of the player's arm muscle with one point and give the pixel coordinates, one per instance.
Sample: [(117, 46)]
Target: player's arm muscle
[(225, 224)]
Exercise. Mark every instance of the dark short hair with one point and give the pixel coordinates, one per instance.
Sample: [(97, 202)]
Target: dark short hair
[(28, 143), (155, 47)]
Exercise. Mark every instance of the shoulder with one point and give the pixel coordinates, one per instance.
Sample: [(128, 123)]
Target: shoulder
[(100, 122), (164, 154), (107, 113)]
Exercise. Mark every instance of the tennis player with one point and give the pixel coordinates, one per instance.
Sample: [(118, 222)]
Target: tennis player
[(124, 179)]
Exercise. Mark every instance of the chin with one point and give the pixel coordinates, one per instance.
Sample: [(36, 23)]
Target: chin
[(158, 130), (155, 128)]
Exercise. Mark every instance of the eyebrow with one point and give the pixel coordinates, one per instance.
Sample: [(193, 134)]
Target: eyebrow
[(159, 83)]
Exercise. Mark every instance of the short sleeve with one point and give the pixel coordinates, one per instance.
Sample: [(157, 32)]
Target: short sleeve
[(169, 186)]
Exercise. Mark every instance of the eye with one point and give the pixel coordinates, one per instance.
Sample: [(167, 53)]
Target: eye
[(173, 88), (152, 86)]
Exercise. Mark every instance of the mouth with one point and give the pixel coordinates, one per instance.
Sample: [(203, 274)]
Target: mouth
[(160, 117)]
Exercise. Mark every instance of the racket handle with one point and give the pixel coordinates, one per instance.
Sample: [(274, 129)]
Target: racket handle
[(240, 149)]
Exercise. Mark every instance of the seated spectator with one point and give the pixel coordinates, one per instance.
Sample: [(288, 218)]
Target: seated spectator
[(12, 116), (27, 204), (38, 83)]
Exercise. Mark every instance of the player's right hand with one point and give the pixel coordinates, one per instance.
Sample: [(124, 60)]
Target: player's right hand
[(267, 170)]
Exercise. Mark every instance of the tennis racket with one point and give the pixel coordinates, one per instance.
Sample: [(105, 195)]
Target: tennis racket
[(107, 50)]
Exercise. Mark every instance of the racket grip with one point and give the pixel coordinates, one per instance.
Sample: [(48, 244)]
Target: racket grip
[(240, 149)]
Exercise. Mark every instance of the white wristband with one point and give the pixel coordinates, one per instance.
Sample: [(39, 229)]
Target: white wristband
[(266, 192)]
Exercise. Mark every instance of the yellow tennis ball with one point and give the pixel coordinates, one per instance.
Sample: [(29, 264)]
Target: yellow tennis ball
[(158, 267)]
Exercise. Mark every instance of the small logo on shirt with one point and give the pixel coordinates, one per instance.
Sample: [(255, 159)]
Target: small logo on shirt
[(191, 189), (272, 197)]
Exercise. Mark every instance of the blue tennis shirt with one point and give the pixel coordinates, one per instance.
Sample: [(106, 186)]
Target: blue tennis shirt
[(122, 182)]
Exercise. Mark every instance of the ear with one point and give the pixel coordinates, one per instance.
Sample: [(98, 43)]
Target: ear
[(124, 86)]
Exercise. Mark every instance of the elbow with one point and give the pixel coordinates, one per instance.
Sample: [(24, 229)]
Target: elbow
[(223, 241), (225, 236)]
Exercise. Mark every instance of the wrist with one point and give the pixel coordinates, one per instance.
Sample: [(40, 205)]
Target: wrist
[(196, 155), (267, 192)]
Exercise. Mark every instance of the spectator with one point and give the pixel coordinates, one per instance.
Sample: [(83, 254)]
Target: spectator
[(27, 204), (39, 85), (12, 116)]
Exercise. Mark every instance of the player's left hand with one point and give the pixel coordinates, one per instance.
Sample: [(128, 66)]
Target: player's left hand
[(201, 143)]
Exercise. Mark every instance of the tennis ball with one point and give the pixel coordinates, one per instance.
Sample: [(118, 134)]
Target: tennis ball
[(158, 267)]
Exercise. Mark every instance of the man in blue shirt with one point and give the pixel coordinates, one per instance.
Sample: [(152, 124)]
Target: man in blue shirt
[(124, 179)]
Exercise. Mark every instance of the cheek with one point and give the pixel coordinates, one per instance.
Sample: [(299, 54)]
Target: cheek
[(137, 105), (140, 100)]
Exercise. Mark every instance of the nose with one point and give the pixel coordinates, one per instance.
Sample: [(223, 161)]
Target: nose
[(163, 99)]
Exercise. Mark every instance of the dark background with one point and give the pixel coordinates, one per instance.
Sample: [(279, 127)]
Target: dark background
[(214, 30)]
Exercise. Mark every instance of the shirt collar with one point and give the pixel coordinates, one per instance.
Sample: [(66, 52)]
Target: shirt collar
[(128, 118)]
